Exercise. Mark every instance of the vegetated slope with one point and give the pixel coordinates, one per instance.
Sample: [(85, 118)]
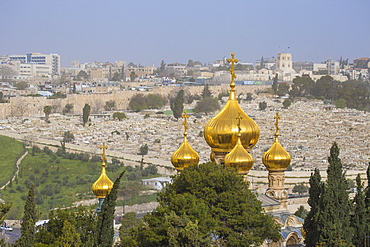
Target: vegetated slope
[(62, 178), (10, 150)]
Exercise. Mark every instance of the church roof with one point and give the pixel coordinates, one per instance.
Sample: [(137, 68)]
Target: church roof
[(267, 201)]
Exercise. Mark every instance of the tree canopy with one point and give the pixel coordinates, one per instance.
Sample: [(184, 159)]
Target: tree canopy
[(177, 104), (207, 105), (85, 113), (206, 205)]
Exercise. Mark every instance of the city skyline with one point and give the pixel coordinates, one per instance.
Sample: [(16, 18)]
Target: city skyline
[(147, 32)]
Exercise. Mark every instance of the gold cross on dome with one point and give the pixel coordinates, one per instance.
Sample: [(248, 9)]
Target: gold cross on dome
[(239, 118), (277, 117), (232, 60), (103, 147), (185, 116)]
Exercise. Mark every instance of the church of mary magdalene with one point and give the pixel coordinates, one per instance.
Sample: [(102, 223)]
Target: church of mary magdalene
[(232, 134)]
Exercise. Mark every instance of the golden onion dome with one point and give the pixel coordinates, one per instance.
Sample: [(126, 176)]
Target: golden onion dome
[(276, 158), (221, 132), (184, 156), (103, 185), (239, 158)]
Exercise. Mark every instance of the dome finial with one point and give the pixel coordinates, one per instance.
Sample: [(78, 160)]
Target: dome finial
[(103, 156), (232, 60), (277, 117), (184, 156), (185, 116)]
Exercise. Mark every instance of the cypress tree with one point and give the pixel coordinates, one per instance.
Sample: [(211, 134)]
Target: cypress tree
[(367, 199), (177, 104), (206, 92), (105, 231), (333, 221), (275, 84), (309, 225), (29, 219), (359, 220), (86, 113)]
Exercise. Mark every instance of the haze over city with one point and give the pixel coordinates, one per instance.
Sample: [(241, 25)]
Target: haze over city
[(147, 32)]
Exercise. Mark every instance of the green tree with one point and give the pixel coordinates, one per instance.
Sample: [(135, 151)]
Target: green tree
[(206, 92), (309, 225), (283, 89), (116, 76), (143, 150), (155, 101), (262, 105), (83, 220), (70, 237), (85, 114), (105, 231), (341, 103), (4, 209), (119, 115), (133, 76), (207, 105), (367, 198), (275, 83), (287, 103), (301, 86), (109, 105), (47, 111), (82, 75), (301, 212), (22, 85), (333, 221), (177, 104), (27, 237), (68, 108), (128, 222), (1, 97), (206, 205), (300, 189), (67, 137), (359, 219), (138, 102)]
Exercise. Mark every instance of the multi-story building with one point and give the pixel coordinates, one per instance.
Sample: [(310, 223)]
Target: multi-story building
[(177, 69), (299, 66), (362, 63), (284, 63), (49, 64)]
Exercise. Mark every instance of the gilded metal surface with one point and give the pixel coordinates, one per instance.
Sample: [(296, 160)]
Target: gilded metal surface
[(221, 132), (103, 185), (276, 158), (239, 158), (184, 156)]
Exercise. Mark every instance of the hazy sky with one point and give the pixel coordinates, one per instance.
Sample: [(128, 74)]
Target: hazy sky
[(148, 31)]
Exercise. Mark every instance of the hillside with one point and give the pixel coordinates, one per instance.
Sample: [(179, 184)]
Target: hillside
[(10, 150), (63, 178)]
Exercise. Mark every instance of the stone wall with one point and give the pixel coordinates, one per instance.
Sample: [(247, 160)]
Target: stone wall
[(33, 106)]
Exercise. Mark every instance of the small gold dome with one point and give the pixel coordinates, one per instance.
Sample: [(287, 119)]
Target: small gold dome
[(103, 185), (239, 159), (221, 132), (184, 156), (276, 158)]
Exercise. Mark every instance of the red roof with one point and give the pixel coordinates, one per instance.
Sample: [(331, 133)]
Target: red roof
[(363, 58)]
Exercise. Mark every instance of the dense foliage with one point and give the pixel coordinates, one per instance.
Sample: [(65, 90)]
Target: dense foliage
[(140, 102), (27, 237), (61, 178), (351, 93), (206, 205), (177, 104), (329, 221)]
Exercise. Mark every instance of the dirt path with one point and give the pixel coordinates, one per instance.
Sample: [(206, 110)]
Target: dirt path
[(16, 172)]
